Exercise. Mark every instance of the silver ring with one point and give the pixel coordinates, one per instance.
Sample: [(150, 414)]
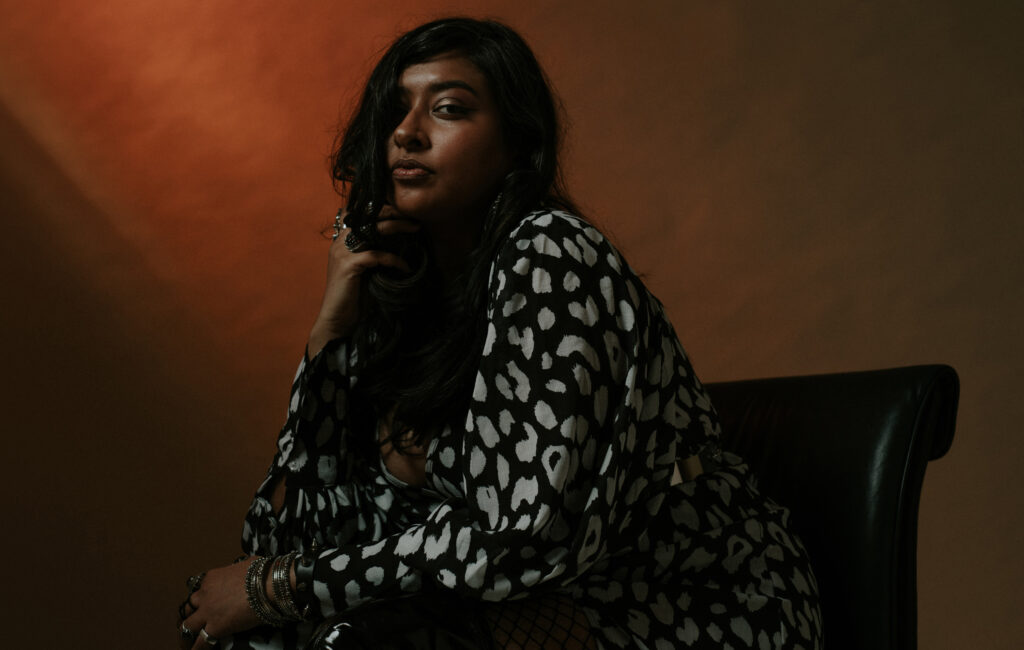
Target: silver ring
[(186, 633), (338, 225), (362, 238), (207, 638), (194, 582)]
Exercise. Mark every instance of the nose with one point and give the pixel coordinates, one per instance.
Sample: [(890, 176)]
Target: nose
[(409, 134)]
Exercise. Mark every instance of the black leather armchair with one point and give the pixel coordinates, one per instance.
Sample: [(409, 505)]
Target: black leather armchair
[(847, 454)]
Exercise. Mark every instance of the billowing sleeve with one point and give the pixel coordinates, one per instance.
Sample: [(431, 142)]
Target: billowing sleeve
[(328, 499), (570, 440)]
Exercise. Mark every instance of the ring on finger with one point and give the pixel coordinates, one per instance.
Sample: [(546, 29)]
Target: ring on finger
[(195, 582), (354, 242), (362, 238), (187, 634), (209, 640), (338, 225)]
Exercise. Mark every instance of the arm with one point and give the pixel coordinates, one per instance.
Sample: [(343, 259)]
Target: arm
[(315, 489), (312, 455), (551, 437), (322, 501)]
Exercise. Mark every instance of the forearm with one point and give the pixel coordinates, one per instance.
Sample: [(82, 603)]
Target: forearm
[(324, 331), (312, 442)]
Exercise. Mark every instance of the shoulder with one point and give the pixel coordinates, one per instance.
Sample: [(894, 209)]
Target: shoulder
[(552, 221), (564, 239), (557, 261)]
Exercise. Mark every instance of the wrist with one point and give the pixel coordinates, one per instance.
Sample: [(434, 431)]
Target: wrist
[(302, 569), (324, 332), (270, 589)]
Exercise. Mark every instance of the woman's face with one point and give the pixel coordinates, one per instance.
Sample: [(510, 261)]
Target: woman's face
[(447, 155)]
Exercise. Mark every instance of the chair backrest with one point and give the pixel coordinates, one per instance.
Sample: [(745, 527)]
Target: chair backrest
[(847, 454)]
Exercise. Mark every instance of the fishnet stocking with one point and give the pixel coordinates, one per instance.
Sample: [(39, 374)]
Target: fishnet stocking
[(549, 622)]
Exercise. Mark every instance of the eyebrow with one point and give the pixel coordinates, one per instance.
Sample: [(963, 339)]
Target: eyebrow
[(440, 86)]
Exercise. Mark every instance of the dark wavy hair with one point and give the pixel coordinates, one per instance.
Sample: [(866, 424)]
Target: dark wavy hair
[(420, 337)]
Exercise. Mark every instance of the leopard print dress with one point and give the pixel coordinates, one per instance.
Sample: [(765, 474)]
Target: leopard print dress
[(562, 478)]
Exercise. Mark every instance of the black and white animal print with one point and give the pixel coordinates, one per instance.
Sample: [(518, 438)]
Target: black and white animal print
[(561, 478)]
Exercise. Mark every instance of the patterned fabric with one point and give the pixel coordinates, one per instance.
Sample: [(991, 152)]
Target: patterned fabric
[(562, 478)]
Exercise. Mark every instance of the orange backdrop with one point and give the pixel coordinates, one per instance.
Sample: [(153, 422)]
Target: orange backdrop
[(808, 188)]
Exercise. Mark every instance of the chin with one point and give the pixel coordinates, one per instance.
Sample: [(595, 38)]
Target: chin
[(431, 209), (410, 205), (412, 209)]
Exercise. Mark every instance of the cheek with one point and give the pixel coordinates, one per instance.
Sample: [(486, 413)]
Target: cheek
[(477, 143), (487, 159)]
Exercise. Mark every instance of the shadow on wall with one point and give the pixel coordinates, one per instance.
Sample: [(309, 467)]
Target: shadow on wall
[(111, 486)]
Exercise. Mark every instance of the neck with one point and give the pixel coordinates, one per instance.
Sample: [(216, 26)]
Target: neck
[(451, 246)]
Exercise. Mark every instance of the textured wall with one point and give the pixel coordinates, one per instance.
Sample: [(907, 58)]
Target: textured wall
[(808, 188)]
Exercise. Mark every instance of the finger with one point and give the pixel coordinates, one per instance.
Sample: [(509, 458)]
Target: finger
[(185, 640), (389, 211), (372, 259), (186, 609), (202, 643), (193, 624), (183, 643), (208, 640), (189, 606), (396, 225)]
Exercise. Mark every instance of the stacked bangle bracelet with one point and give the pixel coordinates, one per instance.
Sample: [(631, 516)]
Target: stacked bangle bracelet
[(284, 597), (281, 608)]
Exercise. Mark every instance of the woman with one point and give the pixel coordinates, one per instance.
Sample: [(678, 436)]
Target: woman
[(491, 408)]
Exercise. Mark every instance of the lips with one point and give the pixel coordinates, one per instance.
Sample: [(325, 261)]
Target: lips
[(408, 169)]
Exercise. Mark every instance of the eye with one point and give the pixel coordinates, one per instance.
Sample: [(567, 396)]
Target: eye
[(452, 110)]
